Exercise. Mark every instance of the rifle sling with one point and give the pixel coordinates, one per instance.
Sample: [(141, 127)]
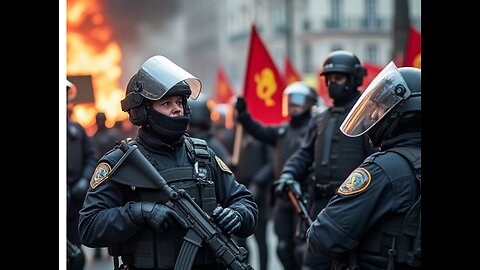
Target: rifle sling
[(188, 252)]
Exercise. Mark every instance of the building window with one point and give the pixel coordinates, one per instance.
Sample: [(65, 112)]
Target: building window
[(336, 13), (371, 20), (279, 17), (306, 25), (307, 58), (372, 53)]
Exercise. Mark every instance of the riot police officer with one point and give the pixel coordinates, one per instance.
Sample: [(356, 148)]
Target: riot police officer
[(374, 220), (200, 126), (331, 154), (81, 161), (134, 221), (285, 139), (104, 138)]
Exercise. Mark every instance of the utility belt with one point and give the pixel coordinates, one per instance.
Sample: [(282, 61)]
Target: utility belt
[(320, 190)]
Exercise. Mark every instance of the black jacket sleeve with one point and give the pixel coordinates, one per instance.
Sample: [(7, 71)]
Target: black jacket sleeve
[(267, 135), (299, 162), (234, 195), (104, 218)]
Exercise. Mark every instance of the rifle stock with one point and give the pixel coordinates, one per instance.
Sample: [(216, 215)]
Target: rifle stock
[(300, 207)]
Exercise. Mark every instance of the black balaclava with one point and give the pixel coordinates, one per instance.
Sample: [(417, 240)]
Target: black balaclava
[(393, 125), (298, 120), (342, 94), (166, 128)]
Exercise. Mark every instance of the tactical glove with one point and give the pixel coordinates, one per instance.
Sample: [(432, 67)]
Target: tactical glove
[(228, 219), (285, 183), (241, 105), (157, 215)]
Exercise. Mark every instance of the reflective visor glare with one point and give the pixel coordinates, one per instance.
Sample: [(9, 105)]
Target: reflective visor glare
[(296, 99), (168, 74), (375, 102)]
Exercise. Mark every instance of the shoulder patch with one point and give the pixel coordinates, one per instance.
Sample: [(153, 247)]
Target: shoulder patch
[(100, 174), (222, 165), (356, 182)]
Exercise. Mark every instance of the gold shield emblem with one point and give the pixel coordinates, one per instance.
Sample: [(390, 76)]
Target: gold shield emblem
[(101, 174), (222, 165), (356, 182)]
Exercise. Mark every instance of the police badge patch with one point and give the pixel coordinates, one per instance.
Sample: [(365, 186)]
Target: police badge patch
[(356, 182), (101, 174), (222, 165)]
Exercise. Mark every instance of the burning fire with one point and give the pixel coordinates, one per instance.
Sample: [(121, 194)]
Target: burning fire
[(91, 50)]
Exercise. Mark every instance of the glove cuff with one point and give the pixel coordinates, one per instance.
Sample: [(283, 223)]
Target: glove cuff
[(141, 211), (134, 209), (243, 117)]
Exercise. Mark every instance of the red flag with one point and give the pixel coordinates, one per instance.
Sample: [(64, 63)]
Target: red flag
[(223, 89), (372, 72), (291, 75), (413, 49), (263, 85)]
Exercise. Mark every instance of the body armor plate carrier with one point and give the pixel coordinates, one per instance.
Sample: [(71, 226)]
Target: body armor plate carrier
[(150, 249)]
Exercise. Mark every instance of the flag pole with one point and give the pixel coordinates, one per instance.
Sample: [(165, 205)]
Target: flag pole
[(237, 143), (238, 127)]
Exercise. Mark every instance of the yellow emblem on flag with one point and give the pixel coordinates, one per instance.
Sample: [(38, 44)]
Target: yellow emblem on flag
[(222, 165), (101, 174), (356, 182), (266, 86)]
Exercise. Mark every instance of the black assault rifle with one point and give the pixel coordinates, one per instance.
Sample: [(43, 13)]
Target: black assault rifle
[(200, 228)]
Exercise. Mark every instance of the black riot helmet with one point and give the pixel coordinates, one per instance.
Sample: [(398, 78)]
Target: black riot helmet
[(347, 63), (158, 77), (390, 105), (300, 94), (200, 114)]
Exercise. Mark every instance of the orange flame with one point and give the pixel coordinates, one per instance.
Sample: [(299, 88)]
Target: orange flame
[(91, 50)]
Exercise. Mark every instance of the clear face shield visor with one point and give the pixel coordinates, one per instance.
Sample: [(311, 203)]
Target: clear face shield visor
[(296, 94), (382, 94), (167, 74)]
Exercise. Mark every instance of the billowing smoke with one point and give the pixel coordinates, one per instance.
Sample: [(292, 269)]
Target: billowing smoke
[(142, 28)]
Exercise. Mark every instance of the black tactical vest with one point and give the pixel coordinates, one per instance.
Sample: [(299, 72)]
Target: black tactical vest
[(150, 249), (396, 239), (288, 141), (336, 155)]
